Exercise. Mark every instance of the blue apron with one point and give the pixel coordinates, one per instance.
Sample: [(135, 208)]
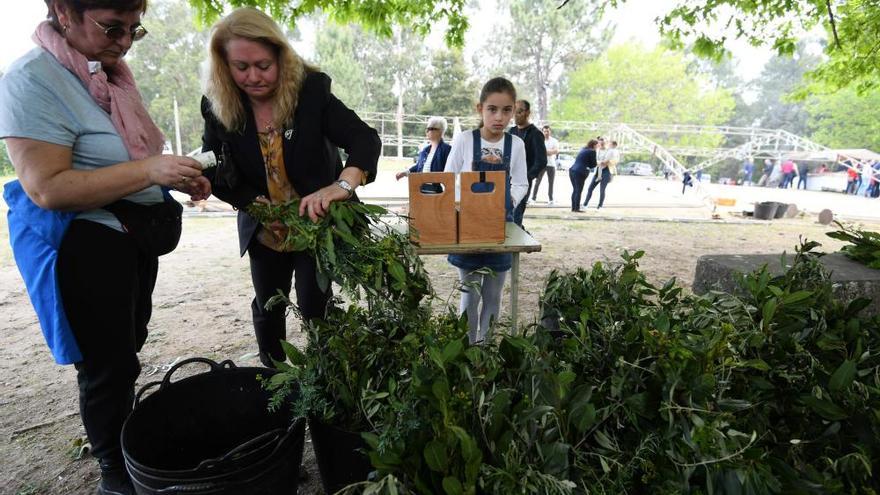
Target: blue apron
[(35, 235), (496, 262)]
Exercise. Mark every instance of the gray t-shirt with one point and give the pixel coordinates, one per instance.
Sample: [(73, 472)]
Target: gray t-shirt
[(42, 100)]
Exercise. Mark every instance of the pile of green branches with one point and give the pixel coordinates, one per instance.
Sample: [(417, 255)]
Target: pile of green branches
[(638, 388), (355, 247), (864, 246)]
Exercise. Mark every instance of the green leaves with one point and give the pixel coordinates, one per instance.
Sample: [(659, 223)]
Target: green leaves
[(630, 389), (376, 15), (852, 28), (825, 408), (843, 376), (674, 379), (864, 245), (355, 248), (435, 456), (660, 88)]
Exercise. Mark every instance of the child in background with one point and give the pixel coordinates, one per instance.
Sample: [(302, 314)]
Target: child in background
[(489, 148)]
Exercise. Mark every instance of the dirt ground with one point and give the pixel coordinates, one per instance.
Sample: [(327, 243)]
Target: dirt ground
[(202, 308)]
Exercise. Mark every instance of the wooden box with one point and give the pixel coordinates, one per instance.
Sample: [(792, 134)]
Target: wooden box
[(433, 219), (481, 214)]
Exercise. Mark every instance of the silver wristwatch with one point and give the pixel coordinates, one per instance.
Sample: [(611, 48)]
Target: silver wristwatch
[(345, 185)]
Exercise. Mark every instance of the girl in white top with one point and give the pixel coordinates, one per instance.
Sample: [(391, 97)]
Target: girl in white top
[(494, 151)]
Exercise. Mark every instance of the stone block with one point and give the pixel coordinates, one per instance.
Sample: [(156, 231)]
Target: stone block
[(850, 280)]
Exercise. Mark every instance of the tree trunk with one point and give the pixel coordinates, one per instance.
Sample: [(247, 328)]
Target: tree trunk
[(540, 88), (541, 91), (400, 119)]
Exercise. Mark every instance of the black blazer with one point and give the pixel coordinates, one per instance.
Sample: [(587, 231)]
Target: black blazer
[(321, 125)]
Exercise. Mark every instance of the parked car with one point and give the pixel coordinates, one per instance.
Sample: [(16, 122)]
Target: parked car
[(635, 168), (564, 161)]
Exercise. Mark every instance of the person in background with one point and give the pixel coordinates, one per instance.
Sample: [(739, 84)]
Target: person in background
[(865, 179), (875, 180), (278, 126), (601, 150), (764, 181), (489, 148), (852, 178), (552, 147), (802, 171), (435, 153), (583, 165), (536, 154), (748, 170), (91, 173), (788, 171), (607, 168), (686, 181)]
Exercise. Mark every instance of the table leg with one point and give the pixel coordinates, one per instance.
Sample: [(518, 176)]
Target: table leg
[(514, 292)]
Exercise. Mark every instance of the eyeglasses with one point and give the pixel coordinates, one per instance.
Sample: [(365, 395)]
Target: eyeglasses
[(432, 129), (116, 32)]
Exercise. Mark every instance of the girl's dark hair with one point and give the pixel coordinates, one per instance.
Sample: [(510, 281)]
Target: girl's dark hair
[(80, 6), (497, 85), (592, 143)]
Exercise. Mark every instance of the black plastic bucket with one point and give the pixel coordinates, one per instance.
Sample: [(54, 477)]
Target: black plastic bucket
[(766, 210), (781, 208), (212, 433), (340, 455)]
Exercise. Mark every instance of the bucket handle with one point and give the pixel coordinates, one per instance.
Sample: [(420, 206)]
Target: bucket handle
[(214, 486), (215, 366), (137, 398), (193, 487), (270, 438)]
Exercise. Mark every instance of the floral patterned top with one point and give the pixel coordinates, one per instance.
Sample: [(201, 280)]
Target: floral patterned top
[(280, 188)]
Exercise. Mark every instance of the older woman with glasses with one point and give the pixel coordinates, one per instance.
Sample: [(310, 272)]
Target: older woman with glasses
[(92, 185), (435, 153)]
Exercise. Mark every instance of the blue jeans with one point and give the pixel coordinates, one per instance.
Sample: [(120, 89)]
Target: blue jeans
[(601, 181)]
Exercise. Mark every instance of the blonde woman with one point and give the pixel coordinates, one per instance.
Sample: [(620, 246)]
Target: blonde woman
[(278, 126)]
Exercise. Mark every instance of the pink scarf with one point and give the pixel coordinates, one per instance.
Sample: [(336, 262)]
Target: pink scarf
[(115, 92)]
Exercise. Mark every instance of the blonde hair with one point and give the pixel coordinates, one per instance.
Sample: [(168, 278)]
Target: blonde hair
[(225, 97)]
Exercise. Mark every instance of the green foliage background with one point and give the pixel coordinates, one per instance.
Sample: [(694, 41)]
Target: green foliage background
[(448, 87), (845, 119), (5, 163), (852, 27), (166, 65), (632, 84)]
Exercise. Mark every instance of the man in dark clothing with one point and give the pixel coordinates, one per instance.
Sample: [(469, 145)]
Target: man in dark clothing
[(536, 152), (803, 170), (686, 181)]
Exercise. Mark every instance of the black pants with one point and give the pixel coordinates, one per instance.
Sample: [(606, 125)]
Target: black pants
[(802, 179), (520, 209), (601, 179), (577, 188), (550, 171), (272, 271), (107, 287)]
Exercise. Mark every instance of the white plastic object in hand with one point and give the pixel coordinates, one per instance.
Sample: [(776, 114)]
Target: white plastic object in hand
[(206, 158)]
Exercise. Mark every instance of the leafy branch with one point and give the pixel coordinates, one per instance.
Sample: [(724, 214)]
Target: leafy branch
[(864, 246)]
